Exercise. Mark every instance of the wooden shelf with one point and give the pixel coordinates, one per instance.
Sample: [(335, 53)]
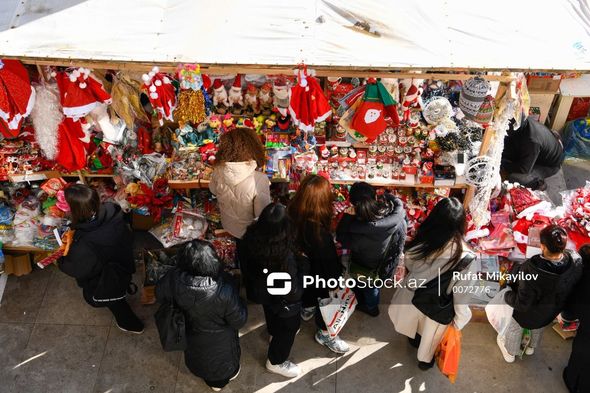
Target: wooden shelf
[(10, 247)]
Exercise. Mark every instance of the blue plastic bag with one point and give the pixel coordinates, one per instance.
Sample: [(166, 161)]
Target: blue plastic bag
[(576, 139)]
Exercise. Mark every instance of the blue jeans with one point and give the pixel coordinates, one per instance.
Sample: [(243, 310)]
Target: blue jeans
[(368, 297)]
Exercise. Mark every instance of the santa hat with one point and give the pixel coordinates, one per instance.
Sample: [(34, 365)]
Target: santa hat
[(206, 81), (217, 84), (80, 93), (251, 88), (238, 81)]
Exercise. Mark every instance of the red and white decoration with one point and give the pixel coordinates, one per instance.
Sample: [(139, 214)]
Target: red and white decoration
[(307, 104), (80, 92), (17, 96), (161, 93)]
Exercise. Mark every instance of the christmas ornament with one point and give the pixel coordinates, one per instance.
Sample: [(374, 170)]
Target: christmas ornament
[(480, 171), (46, 116), (161, 93), (436, 110), (80, 92), (17, 96), (369, 118)]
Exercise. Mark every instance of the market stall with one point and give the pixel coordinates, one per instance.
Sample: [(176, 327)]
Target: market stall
[(353, 92)]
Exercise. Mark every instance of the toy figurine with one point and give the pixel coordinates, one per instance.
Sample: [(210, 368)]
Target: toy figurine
[(265, 100), (220, 99), (252, 107), (236, 99), (281, 96)]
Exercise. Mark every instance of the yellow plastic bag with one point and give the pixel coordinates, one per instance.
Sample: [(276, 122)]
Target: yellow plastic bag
[(448, 353)]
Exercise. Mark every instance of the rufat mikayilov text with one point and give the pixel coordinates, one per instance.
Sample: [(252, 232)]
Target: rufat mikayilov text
[(495, 276)]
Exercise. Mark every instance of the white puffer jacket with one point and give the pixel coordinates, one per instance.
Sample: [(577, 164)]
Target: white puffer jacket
[(242, 193)]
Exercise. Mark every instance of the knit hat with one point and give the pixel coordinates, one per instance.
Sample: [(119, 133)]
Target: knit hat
[(472, 96), (486, 110)]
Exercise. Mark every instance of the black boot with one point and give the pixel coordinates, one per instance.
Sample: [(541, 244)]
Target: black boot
[(425, 366), (415, 342), (125, 317)]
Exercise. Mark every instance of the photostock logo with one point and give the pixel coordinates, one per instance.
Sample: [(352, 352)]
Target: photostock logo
[(283, 281)]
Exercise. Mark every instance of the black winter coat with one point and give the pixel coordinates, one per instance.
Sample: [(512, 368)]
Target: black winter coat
[(368, 241), (321, 259), (214, 313), (577, 373), (530, 145), (104, 242), (537, 302), (255, 281)]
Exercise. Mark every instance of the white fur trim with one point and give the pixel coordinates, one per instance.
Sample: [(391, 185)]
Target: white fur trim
[(520, 238), (14, 123), (77, 112)]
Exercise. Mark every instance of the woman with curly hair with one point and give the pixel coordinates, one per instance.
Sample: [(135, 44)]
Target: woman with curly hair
[(267, 248), (241, 190), (312, 211)]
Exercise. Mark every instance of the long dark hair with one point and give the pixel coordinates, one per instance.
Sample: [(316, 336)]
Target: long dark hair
[(199, 258), (445, 223), (364, 199), (270, 238), (311, 208), (84, 202)]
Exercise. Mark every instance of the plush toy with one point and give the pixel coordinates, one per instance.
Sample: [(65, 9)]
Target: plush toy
[(220, 99), (265, 100), (252, 107), (281, 96), (411, 100), (161, 93), (236, 99), (228, 122)]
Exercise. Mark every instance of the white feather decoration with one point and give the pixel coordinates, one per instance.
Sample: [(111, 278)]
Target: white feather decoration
[(46, 116)]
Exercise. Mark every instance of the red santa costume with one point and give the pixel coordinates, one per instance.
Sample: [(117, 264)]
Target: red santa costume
[(17, 97), (307, 103), (161, 93), (80, 93)]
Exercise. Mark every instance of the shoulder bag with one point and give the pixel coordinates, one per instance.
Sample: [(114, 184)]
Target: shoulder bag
[(171, 324)]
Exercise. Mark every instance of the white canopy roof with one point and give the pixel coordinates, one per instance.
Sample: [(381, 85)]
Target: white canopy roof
[(511, 34)]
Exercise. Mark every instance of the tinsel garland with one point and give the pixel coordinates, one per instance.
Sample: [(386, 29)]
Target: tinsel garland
[(126, 103), (190, 108), (46, 116)]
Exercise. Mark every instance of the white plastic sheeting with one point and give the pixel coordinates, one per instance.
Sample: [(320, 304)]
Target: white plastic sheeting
[(512, 34)]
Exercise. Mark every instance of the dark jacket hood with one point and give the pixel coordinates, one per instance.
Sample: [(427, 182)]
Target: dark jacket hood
[(194, 289), (107, 214)]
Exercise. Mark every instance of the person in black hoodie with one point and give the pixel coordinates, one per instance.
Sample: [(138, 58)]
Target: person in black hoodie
[(374, 230), (101, 254), (531, 153), (213, 310), (577, 373), (538, 299), (267, 248), (312, 211)]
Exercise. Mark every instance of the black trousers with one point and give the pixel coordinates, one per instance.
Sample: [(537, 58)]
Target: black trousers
[(532, 179), (120, 309), (283, 331), (310, 299)]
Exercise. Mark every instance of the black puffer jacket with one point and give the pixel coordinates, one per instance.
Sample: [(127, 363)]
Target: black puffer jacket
[(255, 281), (106, 240), (368, 240), (214, 313), (537, 301)]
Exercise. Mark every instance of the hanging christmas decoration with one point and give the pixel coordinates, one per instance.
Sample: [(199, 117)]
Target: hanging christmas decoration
[(376, 105), (161, 93), (71, 152), (47, 116), (436, 110), (126, 103), (17, 96), (307, 103), (80, 92), (191, 100)]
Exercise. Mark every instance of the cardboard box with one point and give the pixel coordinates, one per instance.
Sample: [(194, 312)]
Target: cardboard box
[(18, 264), (544, 83), (140, 222)]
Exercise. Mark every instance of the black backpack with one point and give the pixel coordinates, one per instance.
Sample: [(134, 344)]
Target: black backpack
[(440, 308)]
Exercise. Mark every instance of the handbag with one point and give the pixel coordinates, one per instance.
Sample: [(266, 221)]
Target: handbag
[(171, 324), (433, 300)]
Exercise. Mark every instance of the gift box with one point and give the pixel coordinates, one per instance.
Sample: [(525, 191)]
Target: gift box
[(410, 169)]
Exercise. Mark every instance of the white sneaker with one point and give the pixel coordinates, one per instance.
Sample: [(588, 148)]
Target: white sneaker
[(508, 357), (335, 344), (286, 369), (238, 373), (307, 313), (529, 351), (215, 389)]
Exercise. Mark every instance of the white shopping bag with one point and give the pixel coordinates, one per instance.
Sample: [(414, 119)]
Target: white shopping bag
[(499, 313), (337, 309)]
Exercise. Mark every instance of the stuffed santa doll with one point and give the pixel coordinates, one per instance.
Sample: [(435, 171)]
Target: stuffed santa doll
[(265, 99), (252, 100), (236, 99), (220, 99)]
